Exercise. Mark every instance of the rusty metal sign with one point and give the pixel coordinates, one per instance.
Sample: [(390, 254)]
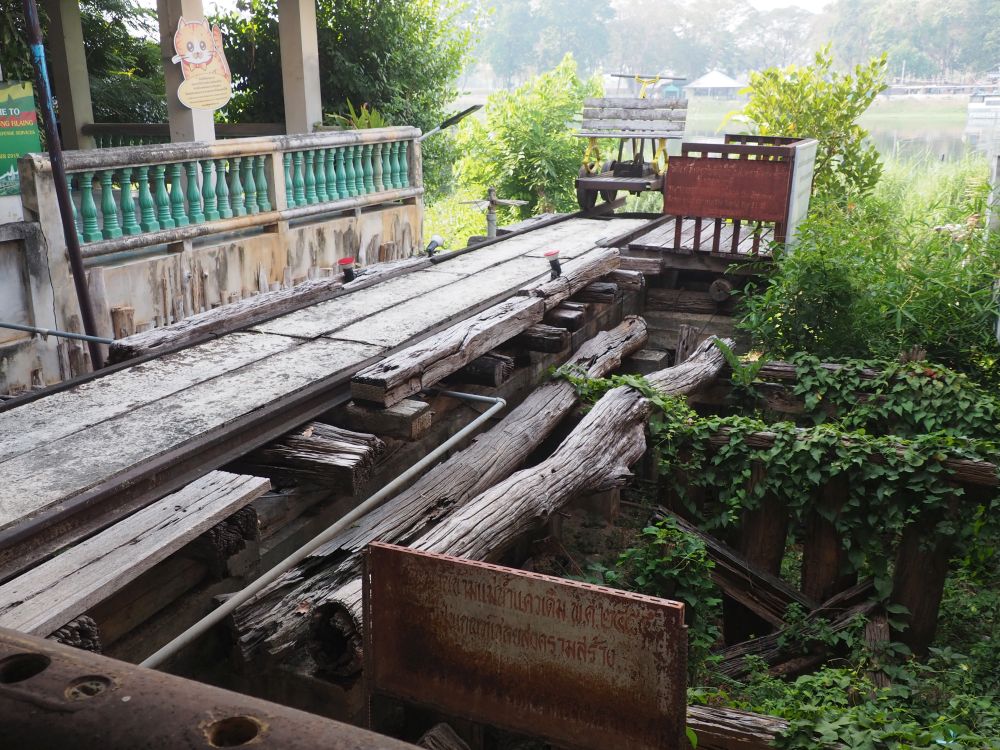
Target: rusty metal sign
[(582, 666)]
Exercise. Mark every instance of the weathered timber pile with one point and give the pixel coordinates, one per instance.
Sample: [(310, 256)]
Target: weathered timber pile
[(596, 456), (424, 364), (253, 310), (764, 594), (81, 633), (318, 453), (729, 729), (284, 614), (782, 654)]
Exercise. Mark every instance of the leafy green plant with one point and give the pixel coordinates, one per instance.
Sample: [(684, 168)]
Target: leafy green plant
[(360, 119), (525, 147), (815, 101)]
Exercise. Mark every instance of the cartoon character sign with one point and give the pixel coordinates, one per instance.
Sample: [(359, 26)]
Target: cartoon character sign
[(207, 81)]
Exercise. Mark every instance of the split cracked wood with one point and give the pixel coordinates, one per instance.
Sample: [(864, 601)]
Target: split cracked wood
[(277, 618), (594, 457), (424, 364), (729, 729), (318, 452)]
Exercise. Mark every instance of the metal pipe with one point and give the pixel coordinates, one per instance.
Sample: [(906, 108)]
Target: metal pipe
[(34, 34), (53, 695), (54, 332), (252, 589)]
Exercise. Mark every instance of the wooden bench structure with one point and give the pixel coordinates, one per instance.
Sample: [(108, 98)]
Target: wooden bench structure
[(731, 200), (646, 124)]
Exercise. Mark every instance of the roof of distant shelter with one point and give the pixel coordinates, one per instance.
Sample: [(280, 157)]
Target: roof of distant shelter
[(715, 79)]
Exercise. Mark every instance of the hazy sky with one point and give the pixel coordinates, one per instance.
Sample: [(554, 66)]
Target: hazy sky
[(812, 5)]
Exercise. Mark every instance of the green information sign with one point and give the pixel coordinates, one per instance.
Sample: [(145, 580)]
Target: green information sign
[(18, 132)]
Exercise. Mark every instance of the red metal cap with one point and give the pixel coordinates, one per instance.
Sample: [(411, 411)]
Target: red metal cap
[(345, 262), (551, 253)]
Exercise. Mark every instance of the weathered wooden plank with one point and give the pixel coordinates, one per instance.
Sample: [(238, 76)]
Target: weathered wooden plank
[(687, 301), (70, 411), (564, 317), (729, 729), (542, 338), (55, 592), (665, 125), (633, 113), (635, 103), (602, 292), (425, 363), (244, 313), (632, 130), (63, 468), (325, 317)]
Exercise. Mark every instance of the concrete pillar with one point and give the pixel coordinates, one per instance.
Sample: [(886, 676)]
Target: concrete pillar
[(185, 124), (69, 72), (299, 65)]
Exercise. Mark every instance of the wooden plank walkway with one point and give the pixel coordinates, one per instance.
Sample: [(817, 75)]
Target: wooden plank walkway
[(72, 445)]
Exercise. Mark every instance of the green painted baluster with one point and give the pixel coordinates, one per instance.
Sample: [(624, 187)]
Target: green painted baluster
[(342, 189), (177, 196), (393, 165), (310, 178), (359, 171), (162, 198), (250, 186), (352, 183), (366, 164), (222, 190), (387, 166), (129, 224), (331, 176), (321, 193), (377, 168), (236, 188), (76, 217), (109, 211), (208, 191), (298, 183), (289, 185), (147, 208), (88, 208), (195, 212), (404, 165), (260, 177)]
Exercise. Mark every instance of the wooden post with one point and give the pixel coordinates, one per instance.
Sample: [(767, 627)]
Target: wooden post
[(122, 321), (687, 340), (823, 553)]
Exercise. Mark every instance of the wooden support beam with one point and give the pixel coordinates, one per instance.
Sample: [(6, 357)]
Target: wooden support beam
[(409, 419), (687, 301), (491, 369), (629, 281), (270, 622), (543, 338), (646, 266), (602, 292), (53, 593), (758, 590), (824, 557), (646, 361), (424, 364), (566, 317), (318, 452), (687, 340)]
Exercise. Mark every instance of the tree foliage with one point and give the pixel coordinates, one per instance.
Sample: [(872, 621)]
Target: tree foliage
[(525, 146), (818, 102)]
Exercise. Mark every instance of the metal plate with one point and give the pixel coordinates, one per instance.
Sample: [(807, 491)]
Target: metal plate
[(585, 667)]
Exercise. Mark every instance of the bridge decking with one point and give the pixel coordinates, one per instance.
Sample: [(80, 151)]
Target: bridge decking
[(148, 429)]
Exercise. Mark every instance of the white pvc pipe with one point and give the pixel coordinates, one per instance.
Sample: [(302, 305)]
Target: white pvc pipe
[(252, 589)]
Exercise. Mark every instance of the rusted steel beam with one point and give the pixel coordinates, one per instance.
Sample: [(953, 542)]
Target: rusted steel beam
[(57, 696)]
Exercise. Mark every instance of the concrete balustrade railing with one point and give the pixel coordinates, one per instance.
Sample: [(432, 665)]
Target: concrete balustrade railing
[(129, 198)]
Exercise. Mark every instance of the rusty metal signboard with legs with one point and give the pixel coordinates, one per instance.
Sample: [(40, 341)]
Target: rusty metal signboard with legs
[(582, 666)]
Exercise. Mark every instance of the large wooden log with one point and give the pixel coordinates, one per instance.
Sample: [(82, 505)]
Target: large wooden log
[(728, 729), (253, 310), (596, 456), (282, 614), (424, 364)]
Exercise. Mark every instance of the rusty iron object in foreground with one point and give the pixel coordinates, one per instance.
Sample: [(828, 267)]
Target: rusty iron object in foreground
[(585, 667), (55, 696)]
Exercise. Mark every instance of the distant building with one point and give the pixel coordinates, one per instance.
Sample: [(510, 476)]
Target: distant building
[(714, 84)]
